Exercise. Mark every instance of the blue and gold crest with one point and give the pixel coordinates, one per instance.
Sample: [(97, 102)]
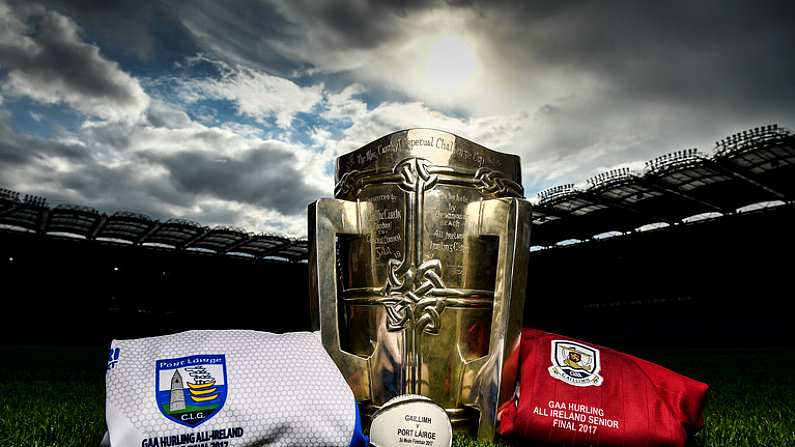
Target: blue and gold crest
[(190, 390)]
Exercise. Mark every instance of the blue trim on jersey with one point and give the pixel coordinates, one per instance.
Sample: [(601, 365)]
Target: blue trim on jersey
[(358, 439)]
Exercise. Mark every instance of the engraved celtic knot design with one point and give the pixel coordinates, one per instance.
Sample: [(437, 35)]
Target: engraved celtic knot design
[(415, 175), (405, 297), (344, 185), (495, 182), (410, 279)]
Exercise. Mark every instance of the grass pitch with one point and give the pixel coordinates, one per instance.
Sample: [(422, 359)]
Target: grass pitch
[(54, 396)]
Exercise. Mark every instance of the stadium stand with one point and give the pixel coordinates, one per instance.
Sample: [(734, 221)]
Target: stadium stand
[(31, 215), (717, 282), (125, 227), (750, 167), (686, 250)]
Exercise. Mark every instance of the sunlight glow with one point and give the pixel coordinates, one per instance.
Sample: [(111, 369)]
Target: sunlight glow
[(451, 64)]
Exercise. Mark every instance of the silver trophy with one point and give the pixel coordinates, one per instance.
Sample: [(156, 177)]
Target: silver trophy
[(418, 272)]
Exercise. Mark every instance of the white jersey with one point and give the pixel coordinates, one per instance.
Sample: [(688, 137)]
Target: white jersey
[(230, 388)]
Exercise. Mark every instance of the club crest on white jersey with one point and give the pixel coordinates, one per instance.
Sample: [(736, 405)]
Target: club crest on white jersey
[(190, 390)]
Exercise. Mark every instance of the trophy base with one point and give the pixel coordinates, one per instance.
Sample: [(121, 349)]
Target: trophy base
[(463, 419)]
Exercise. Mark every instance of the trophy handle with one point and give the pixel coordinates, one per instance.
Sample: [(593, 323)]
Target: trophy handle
[(327, 219), (495, 373)]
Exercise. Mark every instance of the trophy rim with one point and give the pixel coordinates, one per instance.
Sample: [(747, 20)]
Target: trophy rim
[(508, 158)]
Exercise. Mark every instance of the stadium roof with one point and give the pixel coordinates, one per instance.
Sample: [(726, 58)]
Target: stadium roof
[(750, 167), (31, 214)]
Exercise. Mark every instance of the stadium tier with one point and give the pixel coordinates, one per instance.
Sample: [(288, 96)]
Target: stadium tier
[(688, 248), (126, 228), (751, 167), (720, 281)]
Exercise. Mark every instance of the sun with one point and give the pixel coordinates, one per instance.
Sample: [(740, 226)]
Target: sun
[(451, 64)]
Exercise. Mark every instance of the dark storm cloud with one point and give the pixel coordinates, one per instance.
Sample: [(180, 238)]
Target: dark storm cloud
[(162, 115), (723, 52), (57, 56), (11, 152), (76, 174), (73, 174), (47, 59), (236, 31), (260, 176), (127, 24), (356, 25), (26, 164), (116, 189), (18, 150), (245, 32)]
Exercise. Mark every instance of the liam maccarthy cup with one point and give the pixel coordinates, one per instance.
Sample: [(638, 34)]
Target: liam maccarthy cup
[(418, 271)]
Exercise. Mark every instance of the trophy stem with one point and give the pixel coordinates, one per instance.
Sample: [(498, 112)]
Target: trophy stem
[(413, 333), (411, 368), (419, 202), (416, 181)]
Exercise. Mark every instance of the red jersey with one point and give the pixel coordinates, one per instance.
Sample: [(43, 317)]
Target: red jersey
[(574, 393)]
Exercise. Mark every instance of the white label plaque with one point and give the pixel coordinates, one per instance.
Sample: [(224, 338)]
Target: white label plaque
[(411, 420)]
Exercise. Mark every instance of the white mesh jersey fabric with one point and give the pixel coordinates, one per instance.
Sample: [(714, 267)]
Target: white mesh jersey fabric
[(281, 390)]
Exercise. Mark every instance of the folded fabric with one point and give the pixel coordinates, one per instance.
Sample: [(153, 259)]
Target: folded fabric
[(575, 393), (228, 389)]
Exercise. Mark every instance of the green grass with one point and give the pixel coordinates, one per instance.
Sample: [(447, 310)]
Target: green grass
[(752, 396), (55, 396), (52, 396)]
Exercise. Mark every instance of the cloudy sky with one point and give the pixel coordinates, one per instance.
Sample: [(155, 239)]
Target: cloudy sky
[(233, 112)]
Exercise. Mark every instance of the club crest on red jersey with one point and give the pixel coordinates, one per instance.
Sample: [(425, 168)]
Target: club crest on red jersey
[(575, 363)]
